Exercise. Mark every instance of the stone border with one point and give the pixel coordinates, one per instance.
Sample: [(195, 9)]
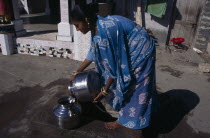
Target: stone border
[(44, 51)]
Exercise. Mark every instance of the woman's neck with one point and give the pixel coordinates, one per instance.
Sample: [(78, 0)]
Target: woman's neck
[(93, 27), (94, 31)]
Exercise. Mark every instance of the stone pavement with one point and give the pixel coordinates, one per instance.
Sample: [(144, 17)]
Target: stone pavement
[(30, 87)]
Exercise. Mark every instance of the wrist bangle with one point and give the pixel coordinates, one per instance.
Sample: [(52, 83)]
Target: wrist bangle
[(75, 73), (103, 91)]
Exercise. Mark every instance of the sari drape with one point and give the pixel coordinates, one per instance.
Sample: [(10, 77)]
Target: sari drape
[(130, 60)]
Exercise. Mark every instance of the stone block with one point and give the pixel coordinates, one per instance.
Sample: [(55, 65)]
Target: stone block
[(64, 38), (6, 43), (81, 45), (64, 30), (204, 67)]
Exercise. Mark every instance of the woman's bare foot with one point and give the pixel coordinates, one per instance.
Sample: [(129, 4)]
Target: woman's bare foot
[(112, 125)]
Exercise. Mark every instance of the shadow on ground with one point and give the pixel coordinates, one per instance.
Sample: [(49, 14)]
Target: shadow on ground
[(174, 105), (95, 111), (28, 34)]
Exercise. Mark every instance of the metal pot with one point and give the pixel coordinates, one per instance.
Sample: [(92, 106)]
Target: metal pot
[(68, 113), (86, 86)]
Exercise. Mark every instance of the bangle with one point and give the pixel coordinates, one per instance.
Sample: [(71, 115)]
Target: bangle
[(103, 91), (75, 73)]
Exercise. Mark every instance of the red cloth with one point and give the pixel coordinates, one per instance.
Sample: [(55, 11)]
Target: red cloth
[(4, 8)]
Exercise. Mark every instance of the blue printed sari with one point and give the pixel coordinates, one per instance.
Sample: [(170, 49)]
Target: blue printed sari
[(130, 61)]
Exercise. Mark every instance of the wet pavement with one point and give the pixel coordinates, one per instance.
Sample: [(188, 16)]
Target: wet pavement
[(30, 87)]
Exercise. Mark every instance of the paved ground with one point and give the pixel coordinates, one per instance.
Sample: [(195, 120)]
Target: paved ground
[(30, 87)]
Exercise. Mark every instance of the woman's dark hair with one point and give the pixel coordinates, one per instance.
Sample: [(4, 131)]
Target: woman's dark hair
[(82, 11)]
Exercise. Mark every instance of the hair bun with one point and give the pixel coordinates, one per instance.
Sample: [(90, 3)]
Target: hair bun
[(90, 9), (93, 7), (82, 11)]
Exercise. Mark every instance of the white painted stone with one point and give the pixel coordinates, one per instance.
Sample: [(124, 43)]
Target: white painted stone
[(64, 28), (49, 43), (37, 43), (6, 43), (64, 38), (45, 43), (81, 45)]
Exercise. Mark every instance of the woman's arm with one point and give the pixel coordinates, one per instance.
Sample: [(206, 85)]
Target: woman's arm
[(83, 66), (106, 88), (108, 84)]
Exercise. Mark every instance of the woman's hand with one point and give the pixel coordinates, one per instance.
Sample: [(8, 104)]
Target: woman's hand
[(104, 91), (98, 98), (84, 65), (72, 78)]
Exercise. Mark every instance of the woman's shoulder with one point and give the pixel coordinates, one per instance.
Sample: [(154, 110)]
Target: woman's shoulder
[(118, 17), (110, 21)]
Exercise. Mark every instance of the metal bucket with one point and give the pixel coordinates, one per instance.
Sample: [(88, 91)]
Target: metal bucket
[(86, 86)]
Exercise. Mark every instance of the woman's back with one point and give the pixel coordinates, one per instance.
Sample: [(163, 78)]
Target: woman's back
[(127, 24)]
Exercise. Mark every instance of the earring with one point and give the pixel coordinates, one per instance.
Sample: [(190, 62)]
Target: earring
[(88, 24)]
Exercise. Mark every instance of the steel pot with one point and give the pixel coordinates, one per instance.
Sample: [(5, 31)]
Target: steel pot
[(68, 113), (86, 86)]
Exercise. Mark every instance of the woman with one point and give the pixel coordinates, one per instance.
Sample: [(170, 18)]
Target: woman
[(124, 56)]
